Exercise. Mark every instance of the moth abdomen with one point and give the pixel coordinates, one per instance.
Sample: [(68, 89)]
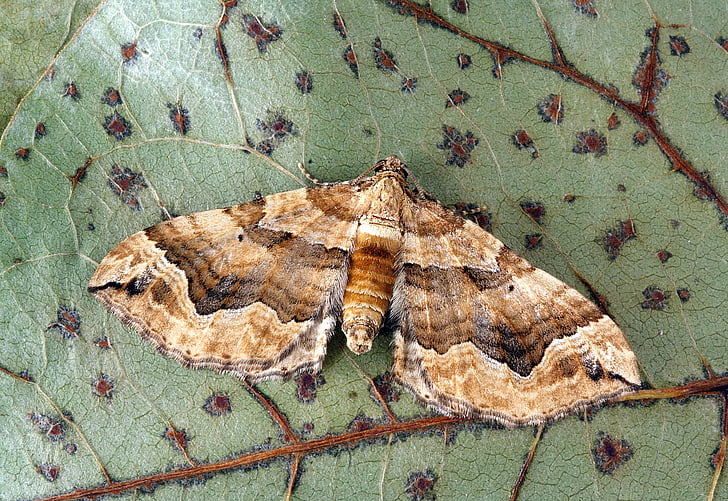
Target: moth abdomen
[(371, 281)]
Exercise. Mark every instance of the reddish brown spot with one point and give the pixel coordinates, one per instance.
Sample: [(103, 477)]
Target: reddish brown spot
[(627, 230), (655, 298), (717, 458), (3, 171), (599, 299), (534, 241), (307, 428), (361, 423), (501, 58), (640, 138), (569, 198), (49, 471), (385, 388), (408, 85), (178, 439), (663, 255), (71, 90), (265, 147), (279, 128), (683, 294), (457, 145), (112, 97), (103, 343), (590, 141), (616, 238), (402, 8), (679, 46), (116, 125), (40, 130), (129, 51), (260, 33), (50, 426), (702, 190), (3, 198), (103, 386), (609, 454), (304, 82), (23, 153), (350, 58), (460, 6), (420, 485), (80, 173), (221, 51), (383, 59), (721, 103), (523, 141), (276, 129), (483, 219), (306, 386), (585, 7), (723, 42), (534, 210), (180, 118), (70, 448), (550, 109), (456, 98), (127, 184), (217, 404), (649, 78), (55, 432), (68, 322), (464, 61), (613, 121), (339, 25)]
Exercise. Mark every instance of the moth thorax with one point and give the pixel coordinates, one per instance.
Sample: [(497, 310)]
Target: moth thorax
[(371, 280)]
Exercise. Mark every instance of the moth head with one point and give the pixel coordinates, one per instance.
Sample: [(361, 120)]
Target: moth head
[(391, 164)]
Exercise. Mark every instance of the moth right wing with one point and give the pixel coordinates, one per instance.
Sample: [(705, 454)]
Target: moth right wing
[(483, 333), (255, 289)]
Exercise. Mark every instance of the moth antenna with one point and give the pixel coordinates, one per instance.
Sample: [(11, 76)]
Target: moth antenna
[(366, 172), (471, 211), (419, 190), (310, 176)]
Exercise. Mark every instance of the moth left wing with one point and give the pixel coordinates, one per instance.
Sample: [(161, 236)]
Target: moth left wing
[(482, 333), (254, 289)]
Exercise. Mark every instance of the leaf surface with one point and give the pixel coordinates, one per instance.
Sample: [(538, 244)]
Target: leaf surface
[(103, 172)]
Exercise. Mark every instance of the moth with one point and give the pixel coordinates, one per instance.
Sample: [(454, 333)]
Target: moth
[(257, 289)]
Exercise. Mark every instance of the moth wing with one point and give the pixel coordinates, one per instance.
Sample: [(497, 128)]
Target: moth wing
[(254, 289), (482, 333)]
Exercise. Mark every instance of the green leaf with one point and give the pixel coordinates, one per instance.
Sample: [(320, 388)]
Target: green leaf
[(61, 215), (32, 34)]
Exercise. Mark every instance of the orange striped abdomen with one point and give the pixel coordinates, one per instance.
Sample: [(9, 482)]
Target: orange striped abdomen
[(371, 280)]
